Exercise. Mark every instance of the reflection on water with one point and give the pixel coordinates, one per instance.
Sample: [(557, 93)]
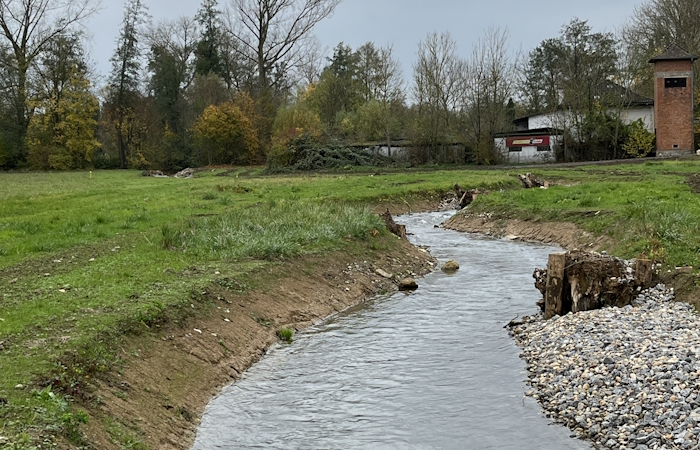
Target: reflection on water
[(430, 370)]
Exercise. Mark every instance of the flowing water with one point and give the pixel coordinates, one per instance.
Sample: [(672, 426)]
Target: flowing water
[(430, 370)]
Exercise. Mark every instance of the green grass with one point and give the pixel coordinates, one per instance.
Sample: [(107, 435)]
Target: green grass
[(648, 210), (84, 260), (285, 334), (271, 230)]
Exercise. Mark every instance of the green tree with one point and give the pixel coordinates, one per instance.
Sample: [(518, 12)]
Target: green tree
[(207, 54), (640, 141), (337, 92), (27, 27), (124, 81), (62, 135)]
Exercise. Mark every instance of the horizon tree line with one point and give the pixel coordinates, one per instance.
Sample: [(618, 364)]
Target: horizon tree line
[(244, 82)]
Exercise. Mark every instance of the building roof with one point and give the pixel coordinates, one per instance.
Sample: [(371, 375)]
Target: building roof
[(609, 92), (535, 132), (673, 53)]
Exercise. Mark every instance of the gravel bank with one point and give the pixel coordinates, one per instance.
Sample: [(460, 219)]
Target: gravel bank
[(625, 378)]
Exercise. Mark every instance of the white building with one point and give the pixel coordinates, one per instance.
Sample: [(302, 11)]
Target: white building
[(536, 136)]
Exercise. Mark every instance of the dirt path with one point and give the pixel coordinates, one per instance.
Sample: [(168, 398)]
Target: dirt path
[(169, 376)]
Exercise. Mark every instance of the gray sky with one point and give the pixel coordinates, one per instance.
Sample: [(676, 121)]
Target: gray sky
[(403, 23)]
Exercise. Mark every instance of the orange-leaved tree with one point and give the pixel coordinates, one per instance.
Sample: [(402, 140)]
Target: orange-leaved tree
[(225, 135)]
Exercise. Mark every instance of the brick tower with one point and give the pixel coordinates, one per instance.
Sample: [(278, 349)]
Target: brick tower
[(673, 102)]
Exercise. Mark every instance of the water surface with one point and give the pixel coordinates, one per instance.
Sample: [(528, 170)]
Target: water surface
[(430, 370)]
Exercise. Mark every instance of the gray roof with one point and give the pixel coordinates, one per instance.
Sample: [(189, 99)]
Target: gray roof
[(610, 92), (673, 53)]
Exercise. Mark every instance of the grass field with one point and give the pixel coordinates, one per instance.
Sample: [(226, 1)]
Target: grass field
[(85, 258)]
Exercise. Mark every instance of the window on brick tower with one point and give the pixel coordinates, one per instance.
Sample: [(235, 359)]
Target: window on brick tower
[(675, 83)]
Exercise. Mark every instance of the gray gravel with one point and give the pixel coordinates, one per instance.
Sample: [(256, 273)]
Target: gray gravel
[(625, 378)]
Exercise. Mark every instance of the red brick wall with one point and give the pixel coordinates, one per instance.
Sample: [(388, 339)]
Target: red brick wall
[(674, 109)]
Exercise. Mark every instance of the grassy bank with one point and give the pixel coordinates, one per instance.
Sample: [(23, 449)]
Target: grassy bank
[(650, 210), (89, 259)]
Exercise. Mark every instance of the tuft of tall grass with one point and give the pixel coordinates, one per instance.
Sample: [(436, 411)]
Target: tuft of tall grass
[(285, 334), (272, 229)]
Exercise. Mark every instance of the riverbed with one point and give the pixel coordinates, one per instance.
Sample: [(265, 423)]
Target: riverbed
[(430, 370)]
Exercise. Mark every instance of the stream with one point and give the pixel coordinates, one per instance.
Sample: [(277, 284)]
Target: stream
[(431, 370)]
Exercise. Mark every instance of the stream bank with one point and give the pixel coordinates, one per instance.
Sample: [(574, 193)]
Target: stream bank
[(431, 369), (168, 376), (564, 234)]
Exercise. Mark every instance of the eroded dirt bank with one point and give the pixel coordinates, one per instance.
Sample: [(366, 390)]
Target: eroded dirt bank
[(169, 376), (565, 234)]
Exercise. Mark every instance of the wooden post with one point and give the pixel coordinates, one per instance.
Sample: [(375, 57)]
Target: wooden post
[(553, 299), (643, 273)]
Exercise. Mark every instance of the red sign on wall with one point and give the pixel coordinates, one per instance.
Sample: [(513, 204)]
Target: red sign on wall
[(528, 141)]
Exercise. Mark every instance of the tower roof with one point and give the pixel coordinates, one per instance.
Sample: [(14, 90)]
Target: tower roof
[(673, 53)]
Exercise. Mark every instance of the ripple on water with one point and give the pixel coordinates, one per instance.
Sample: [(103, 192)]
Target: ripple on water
[(431, 370)]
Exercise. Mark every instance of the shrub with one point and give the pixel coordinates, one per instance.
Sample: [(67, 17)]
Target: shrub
[(640, 141)]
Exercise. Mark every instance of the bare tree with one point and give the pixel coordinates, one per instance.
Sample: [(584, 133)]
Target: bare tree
[(273, 33), (389, 87), (439, 80), (491, 84), (655, 25), (312, 66), (28, 26)]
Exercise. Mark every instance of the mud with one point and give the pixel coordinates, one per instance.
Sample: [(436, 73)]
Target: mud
[(565, 234), (169, 376)]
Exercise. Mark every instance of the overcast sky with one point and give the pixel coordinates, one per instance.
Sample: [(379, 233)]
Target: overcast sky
[(403, 23)]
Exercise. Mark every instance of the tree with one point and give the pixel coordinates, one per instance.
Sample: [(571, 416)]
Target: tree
[(388, 91), (542, 81), (124, 78), (208, 59), (570, 74), (337, 91), (489, 89), (62, 134), (439, 77), (61, 59), (27, 27), (367, 63), (225, 135), (655, 25), (640, 141), (273, 33)]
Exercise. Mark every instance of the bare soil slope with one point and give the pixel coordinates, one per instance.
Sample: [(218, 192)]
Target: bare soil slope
[(169, 376)]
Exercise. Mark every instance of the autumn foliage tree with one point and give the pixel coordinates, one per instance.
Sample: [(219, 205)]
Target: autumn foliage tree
[(225, 135), (61, 133)]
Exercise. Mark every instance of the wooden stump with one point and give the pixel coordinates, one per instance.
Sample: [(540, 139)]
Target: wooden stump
[(554, 295), (393, 227), (643, 273)]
